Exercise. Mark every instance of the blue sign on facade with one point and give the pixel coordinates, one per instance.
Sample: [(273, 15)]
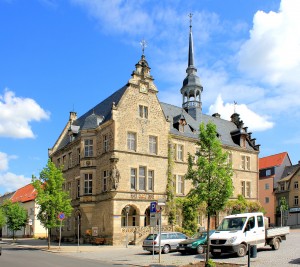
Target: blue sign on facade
[(153, 207)]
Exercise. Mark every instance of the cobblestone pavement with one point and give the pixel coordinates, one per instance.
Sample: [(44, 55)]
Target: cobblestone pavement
[(288, 254)]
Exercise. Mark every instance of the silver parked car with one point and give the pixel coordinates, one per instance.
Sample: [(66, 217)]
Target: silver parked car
[(169, 241)]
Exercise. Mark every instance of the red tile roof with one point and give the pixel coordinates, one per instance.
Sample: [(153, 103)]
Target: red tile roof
[(24, 194), (273, 160)]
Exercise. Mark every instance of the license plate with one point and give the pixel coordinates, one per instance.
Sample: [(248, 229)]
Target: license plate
[(217, 250)]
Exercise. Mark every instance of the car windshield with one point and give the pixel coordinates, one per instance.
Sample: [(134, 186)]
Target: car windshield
[(199, 235), (151, 237), (232, 224)]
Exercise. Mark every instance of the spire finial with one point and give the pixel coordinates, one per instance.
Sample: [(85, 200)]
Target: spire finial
[(191, 16), (143, 43), (234, 106)]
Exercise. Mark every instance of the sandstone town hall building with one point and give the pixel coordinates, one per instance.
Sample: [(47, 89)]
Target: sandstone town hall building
[(117, 155)]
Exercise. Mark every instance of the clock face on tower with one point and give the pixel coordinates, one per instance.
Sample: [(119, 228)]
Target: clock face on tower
[(143, 89)]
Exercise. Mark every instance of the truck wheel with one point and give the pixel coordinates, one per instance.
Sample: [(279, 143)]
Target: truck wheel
[(216, 254), (166, 249), (200, 249), (276, 244), (242, 250)]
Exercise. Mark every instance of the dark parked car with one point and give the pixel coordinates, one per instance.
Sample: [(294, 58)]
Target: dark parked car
[(169, 241), (195, 244)]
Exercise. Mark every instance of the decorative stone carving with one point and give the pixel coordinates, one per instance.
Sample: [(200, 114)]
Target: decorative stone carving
[(114, 178)]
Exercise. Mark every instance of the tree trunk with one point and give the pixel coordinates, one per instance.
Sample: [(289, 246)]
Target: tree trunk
[(49, 236), (208, 241)]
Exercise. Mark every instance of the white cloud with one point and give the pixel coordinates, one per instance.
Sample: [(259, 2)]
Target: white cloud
[(11, 182), (16, 113), (272, 53), (252, 120)]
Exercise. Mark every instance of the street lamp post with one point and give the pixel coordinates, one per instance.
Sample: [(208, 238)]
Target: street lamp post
[(127, 211)]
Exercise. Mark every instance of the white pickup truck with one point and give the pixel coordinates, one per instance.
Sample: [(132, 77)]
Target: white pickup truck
[(237, 231)]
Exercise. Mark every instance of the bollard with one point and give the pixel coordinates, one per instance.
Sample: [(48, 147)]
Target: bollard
[(253, 251)]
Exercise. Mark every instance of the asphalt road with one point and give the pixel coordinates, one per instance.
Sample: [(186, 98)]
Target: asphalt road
[(86, 256)]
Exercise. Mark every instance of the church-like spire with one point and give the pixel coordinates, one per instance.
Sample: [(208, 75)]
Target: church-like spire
[(191, 88)]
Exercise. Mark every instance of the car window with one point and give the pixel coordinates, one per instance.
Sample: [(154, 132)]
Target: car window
[(173, 236), (181, 236), (251, 222), (260, 221), (151, 237), (164, 236)]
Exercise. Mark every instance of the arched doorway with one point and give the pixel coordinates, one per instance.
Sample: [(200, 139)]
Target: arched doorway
[(147, 217), (129, 216)]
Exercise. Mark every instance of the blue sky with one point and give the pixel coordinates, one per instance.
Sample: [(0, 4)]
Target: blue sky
[(59, 56)]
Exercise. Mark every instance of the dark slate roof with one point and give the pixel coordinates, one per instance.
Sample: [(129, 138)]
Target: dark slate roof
[(224, 127), (96, 115), (289, 170)]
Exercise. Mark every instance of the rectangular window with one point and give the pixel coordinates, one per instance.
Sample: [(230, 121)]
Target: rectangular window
[(133, 178), (245, 162), (153, 144), (64, 160), (131, 141), (296, 186), (267, 186), (296, 200), (78, 188), (142, 178), (88, 148), (78, 155), (246, 188), (268, 172), (260, 221), (58, 162), (150, 180), (105, 143), (105, 180), (143, 111), (70, 160), (282, 187), (267, 200), (179, 152), (180, 183), (88, 183)]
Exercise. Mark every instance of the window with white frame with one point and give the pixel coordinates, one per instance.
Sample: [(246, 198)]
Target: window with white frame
[(179, 152), (180, 184), (245, 162), (150, 180), (296, 185), (246, 188), (88, 183), (142, 178), (133, 178), (88, 148), (131, 141), (105, 180), (105, 143), (143, 112), (152, 144), (296, 201)]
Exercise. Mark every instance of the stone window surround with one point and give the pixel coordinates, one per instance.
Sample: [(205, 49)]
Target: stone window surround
[(135, 178)]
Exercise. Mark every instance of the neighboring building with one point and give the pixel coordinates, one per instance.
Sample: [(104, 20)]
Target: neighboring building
[(120, 152), (270, 171), (26, 197), (288, 187)]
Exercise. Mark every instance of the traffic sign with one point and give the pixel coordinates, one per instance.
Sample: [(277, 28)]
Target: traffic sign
[(153, 207), (61, 216)]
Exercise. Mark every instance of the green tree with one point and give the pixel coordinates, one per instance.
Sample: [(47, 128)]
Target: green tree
[(211, 175), (51, 198), (16, 216), (2, 218)]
